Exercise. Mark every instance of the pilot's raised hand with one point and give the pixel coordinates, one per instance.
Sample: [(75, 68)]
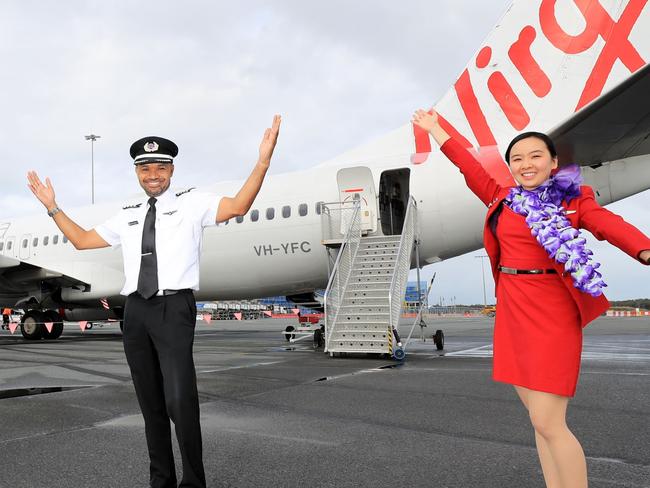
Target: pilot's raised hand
[(269, 140), (44, 192)]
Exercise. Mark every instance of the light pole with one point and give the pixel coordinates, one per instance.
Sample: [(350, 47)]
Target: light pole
[(483, 276), (92, 138)]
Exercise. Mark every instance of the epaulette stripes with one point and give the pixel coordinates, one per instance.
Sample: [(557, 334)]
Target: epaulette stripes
[(185, 191), (137, 205)]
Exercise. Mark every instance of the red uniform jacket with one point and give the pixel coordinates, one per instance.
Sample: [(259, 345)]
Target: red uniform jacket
[(582, 212)]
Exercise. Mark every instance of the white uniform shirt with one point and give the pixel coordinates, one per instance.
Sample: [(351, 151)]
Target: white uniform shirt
[(179, 230)]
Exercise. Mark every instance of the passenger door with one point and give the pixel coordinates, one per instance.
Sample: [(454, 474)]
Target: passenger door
[(358, 181)]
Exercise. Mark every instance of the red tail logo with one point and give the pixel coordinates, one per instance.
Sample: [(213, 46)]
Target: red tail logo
[(598, 23)]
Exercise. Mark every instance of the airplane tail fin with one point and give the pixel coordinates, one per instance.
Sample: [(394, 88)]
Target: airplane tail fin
[(544, 61)]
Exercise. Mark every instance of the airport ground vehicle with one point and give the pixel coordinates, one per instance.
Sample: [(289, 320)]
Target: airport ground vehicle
[(489, 311)]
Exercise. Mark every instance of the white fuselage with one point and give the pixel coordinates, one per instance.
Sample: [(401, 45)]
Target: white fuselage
[(285, 256)]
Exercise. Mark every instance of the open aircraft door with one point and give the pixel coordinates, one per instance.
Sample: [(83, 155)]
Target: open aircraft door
[(358, 183)]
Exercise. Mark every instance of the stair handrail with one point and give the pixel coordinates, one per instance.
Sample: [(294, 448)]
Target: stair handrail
[(402, 264), (341, 271), (332, 219)]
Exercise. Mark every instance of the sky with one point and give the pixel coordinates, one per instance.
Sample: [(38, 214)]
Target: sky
[(211, 74)]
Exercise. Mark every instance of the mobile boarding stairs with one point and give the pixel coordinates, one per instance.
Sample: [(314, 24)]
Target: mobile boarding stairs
[(367, 282)]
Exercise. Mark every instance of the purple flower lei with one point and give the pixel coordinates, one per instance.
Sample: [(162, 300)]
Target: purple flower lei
[(548, 223)]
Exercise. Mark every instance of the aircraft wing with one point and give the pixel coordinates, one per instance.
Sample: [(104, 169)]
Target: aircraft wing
[(613, 127), (7, 262), (18, 278)]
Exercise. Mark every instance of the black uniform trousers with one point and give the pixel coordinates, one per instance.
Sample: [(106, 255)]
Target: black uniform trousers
[(158, 340)]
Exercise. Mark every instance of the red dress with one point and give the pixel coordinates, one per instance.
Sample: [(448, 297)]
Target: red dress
[(539, 321), (537, 332)]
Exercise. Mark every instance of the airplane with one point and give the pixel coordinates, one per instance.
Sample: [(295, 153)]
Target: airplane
[(574, 69)]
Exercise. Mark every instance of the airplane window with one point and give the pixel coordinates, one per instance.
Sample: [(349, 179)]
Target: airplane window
[(9, 245), (302, 209), (286, 211), (24, 243), (65, 239), (255, 215), (318, 207), (35, 242), (46, 240), (270, 213), (239, 219), (55, 240)]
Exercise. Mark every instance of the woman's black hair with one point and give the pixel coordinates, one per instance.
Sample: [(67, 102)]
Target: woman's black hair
[(539, 135)]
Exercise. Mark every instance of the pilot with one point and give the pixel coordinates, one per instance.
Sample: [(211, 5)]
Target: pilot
[(160, 238)]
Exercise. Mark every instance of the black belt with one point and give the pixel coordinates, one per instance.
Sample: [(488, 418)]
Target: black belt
[(166, 293), (513, 271)]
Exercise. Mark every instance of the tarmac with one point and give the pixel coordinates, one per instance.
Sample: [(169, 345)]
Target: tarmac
[(276, 414)]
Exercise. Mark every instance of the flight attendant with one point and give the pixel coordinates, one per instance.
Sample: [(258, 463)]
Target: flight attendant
[(161, 240), (547, 284)]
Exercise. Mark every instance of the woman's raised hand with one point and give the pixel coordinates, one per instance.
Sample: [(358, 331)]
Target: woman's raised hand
[(645, 256), (429, 122), (425, 120)]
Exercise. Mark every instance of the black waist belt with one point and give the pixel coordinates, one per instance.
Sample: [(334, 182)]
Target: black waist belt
[(513, 271), (166, 293)]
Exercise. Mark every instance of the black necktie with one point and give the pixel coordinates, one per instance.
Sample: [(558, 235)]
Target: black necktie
[(148, 278)]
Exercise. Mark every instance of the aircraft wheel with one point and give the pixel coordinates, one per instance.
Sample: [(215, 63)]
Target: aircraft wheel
[(288, 337), (31, 326), (319, 340), (399, 354), (57, 327), (89, 325), (439, 340)]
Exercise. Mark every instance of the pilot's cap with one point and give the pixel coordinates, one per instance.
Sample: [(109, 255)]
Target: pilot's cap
[(153, 149)]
